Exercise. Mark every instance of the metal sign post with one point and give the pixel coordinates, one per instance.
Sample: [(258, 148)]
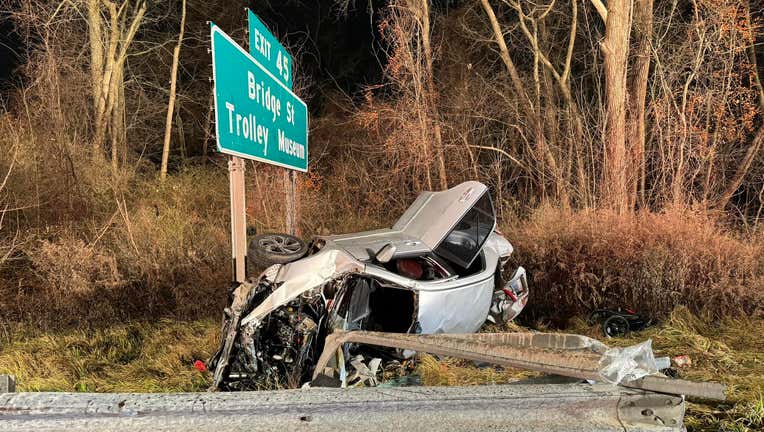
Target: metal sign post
[(238, 218)]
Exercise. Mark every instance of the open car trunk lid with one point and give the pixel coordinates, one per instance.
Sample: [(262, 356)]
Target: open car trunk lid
[(453, 223)]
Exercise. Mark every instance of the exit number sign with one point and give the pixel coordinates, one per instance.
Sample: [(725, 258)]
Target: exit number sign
[(267, 50)]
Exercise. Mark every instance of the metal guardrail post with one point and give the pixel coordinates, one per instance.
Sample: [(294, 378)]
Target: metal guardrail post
[(7, 384)]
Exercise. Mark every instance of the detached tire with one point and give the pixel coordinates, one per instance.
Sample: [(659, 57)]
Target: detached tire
[(268, 249), (615, 326)]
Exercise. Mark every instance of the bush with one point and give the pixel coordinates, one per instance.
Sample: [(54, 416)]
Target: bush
[(652, 262)]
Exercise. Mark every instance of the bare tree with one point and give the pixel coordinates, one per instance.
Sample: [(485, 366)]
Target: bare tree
[(643, 33), (109, 44), (432, 91), (754, 149), (171, 103), (615, 49)]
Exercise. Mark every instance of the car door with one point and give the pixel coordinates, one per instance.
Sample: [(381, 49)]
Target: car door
[(458, 304)]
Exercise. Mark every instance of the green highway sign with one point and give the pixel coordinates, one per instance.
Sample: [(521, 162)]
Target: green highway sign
[(257, 116), (267, 50)]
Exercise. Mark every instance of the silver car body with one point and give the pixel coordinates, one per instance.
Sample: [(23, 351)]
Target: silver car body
[(452, 305), (274, 327)]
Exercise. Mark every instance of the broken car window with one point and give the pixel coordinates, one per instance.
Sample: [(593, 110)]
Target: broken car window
[(463, 243)]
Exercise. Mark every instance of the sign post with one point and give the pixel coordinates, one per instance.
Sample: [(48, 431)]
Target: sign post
[(238, 218), (257, 116)]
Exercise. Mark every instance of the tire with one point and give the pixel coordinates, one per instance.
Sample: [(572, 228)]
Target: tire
[(615, 326), (268, 249)]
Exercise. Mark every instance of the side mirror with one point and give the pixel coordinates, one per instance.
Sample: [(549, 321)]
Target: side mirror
[(386, 253)]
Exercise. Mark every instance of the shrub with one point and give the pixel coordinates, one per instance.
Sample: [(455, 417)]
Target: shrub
[(651, 262)]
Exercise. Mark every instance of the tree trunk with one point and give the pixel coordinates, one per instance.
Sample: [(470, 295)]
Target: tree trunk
[(107, 68), (173, 88), (96, 50), (615, 49), (643, 33), (432, 95)]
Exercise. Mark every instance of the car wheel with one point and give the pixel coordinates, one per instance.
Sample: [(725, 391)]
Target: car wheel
[(615, 326), (268, 249)]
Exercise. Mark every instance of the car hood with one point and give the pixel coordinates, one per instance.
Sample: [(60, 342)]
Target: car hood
[(301, 276)]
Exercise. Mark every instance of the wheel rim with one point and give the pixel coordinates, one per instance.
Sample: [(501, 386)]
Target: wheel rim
[(616, 327), (280, 245)]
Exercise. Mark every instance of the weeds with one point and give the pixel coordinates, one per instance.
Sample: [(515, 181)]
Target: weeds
[(652, 262), (137, 357)]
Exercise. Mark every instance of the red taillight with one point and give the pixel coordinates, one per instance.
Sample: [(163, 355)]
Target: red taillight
[(510, 294)]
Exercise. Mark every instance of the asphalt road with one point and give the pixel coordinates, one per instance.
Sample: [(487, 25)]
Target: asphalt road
[(506, 407)]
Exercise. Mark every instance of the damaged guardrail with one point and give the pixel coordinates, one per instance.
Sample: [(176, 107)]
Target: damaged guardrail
[(551, 353), (530, 408)]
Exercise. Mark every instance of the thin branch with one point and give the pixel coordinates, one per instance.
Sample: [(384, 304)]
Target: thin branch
[(601, 9)]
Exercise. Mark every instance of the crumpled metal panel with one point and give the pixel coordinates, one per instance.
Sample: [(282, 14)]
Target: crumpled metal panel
[(364, 246), (499, 244), (434, 214), (459, 310), (304, 275)]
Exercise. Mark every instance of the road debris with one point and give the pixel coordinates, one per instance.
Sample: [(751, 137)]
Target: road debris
[(619, 322), (628, 364), (550, 353), (682, 361)]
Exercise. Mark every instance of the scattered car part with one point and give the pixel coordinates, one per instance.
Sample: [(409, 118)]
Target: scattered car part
[(434, 271), (275, 248), (551, 353), (619, 322), (682, 361), (631, 363)]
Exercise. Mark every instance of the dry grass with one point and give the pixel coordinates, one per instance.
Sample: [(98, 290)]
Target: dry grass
[(137, 357), (159, 357), (652, 262)]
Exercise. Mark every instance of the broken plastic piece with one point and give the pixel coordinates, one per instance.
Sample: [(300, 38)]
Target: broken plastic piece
[(200, 366), (662, 363), (363, 374), (619, 365), (682, 361)]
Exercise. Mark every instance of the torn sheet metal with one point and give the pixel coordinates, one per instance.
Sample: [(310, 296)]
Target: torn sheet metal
[(519, 351), (301, 276), (446, 311)]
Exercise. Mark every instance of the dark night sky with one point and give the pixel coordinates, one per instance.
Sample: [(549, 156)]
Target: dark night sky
[(8, 45), (338, 51)]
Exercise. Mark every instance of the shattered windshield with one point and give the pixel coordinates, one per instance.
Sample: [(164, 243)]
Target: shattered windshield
[(464, 241)]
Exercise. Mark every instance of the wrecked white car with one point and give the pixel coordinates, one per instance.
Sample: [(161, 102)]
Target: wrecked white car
[(437, 270)]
